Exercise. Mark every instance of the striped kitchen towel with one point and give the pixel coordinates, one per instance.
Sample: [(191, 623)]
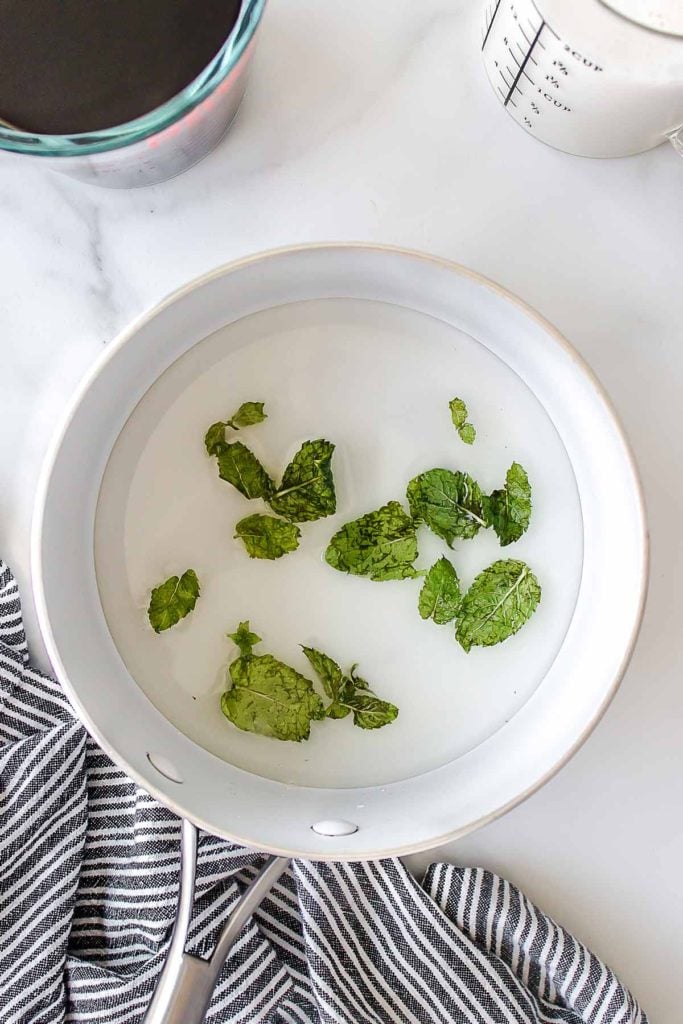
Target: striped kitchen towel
[(88, 882)]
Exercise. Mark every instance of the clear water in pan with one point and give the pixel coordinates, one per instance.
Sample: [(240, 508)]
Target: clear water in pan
[(375, 379)]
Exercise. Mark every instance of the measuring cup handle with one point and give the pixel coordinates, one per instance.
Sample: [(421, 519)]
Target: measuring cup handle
[(675, 137), (186, 982)]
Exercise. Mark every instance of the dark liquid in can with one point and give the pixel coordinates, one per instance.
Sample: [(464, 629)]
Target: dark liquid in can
[(70, 66)]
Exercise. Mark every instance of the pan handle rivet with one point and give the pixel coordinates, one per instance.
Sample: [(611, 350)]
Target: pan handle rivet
[(334, 828), (165, 767)]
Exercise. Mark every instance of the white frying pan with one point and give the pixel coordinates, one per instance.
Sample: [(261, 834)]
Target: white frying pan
[(364, 345)]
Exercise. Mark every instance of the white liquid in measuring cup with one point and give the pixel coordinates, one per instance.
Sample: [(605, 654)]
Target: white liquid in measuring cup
[(582, 78)]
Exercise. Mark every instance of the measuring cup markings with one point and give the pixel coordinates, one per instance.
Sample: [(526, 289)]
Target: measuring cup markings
[(488, 22), (540, 78), (527, 70)]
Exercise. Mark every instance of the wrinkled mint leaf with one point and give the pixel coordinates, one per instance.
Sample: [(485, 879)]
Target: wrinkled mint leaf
[(381, 545), (214, 440), (467, 433), (270, 698), (307, 489), (267, 537), (173, 600), (240, 467), (359, 684), (508, 510), (458, 412), (327, 670), (449, 503), (350, 694), (501, 599), (267, 697), (244, 639), (247, 415), (369, 712), (338, 708), (440, 595), (459, 416)]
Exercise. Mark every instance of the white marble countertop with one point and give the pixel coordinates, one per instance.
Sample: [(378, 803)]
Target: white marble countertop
[(376, 122)]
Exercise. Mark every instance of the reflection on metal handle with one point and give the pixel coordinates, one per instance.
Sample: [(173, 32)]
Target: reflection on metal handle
[(676, 139), (186, 984)]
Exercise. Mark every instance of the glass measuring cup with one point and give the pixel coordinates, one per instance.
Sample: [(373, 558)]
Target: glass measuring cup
[(167, 140), (583, 76)]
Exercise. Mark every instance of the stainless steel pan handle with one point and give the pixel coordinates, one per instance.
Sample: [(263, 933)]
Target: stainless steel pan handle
[(186, 983)]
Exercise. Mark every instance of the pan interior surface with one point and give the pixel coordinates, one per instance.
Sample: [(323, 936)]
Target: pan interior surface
[(375, 379)]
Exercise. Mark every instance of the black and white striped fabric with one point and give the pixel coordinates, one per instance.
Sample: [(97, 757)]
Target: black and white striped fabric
[(88, 883)]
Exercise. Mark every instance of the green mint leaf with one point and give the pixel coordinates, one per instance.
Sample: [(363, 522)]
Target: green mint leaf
[(467, 433), (247, 414), (360, 684), (270, 698), (214, 439), (338, 709), (307, 489), (267, 537), (499, 602), (381, 545), (350, 694), (508, 510), (458, 412), (459, 416), (440, 596), (244, 639), (369, 712), (449, 503), (240, 467), (327, 670), (173, 600)]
